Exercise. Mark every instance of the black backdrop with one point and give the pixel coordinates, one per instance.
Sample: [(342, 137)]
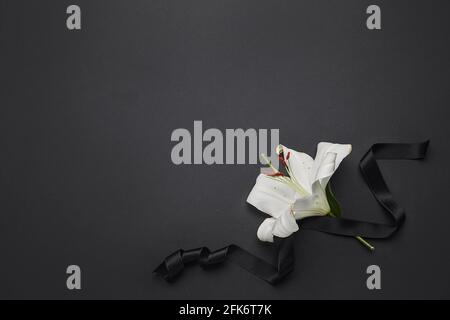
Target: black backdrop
[(86, 118)]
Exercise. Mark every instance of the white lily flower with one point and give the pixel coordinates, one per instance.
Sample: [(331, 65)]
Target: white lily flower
[(299, 194)]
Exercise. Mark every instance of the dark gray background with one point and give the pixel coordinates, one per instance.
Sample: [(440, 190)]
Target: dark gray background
[(86, 118)]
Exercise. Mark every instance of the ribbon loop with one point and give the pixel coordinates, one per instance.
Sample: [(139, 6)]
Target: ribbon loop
[(174, 264)]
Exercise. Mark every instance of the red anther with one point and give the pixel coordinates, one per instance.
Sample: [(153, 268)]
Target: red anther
[(288, 155), (282, 160), (276, 174)]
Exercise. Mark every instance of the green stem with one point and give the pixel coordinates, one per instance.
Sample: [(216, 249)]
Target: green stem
[(360, 239), (365, 243)]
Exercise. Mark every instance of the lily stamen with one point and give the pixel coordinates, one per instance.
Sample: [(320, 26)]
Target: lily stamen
[(289, 180), (276, 174)]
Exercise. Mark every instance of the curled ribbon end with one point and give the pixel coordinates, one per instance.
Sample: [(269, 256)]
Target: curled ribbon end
[(174, 264)]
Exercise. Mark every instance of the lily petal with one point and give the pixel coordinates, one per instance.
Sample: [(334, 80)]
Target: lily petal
[(264, 232), (271, 196), (328, 158), (285, 225), (301, 166), (314, 205), (282, 227)]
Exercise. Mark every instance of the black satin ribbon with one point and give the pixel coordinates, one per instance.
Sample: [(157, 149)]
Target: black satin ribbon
[(172, 266), (175, 263)]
